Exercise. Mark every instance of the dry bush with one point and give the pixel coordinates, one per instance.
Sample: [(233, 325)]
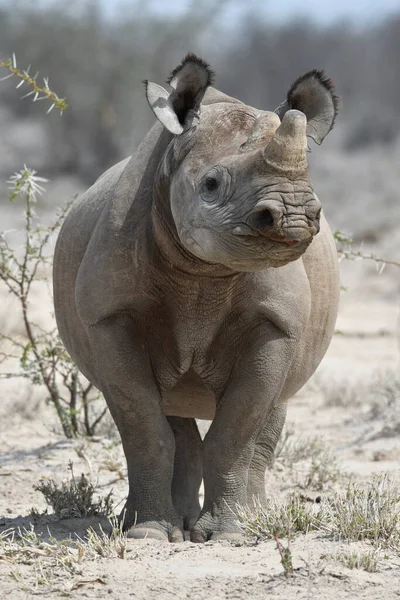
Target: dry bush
[(74, 498), (321, 467)]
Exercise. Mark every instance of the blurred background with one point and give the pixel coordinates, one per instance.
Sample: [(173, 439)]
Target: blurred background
[(97, 52)]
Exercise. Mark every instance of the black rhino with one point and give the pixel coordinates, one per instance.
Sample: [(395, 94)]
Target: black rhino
[(198, 279)]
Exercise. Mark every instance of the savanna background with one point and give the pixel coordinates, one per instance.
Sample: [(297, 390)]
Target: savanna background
[(343, 427)]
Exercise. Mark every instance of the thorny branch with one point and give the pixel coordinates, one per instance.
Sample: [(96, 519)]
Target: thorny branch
[(39, 92), (347, 252), (43, 358)]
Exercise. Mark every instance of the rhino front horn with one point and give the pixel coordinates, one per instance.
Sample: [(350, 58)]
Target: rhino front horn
[(287, 149)]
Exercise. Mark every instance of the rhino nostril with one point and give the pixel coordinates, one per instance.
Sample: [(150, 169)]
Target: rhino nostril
[(264, 220)]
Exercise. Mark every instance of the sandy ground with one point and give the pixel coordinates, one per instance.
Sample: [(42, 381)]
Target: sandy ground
[(335, 405)]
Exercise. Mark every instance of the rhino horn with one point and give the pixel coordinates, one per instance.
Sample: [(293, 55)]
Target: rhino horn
[(288, 147), (263, 130)]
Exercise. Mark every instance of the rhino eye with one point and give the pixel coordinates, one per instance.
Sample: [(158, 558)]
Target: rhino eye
[(211, 184), (214, 185)]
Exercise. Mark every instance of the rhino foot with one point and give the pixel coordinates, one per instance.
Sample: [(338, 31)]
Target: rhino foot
[(214, 528), (200, 537), (142, 524), (153, 531)]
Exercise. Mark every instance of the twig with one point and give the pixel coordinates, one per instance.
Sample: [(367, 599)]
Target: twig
[(359, 254), (25, 77)]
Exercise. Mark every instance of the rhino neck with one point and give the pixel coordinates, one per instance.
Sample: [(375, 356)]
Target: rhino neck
[(170, 250)]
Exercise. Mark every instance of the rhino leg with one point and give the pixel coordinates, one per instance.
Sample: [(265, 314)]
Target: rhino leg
[(129, 388), (188, 469), (263, 454), (242, 412)]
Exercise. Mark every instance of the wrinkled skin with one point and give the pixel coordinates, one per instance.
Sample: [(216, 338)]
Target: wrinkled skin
[(190, 281)]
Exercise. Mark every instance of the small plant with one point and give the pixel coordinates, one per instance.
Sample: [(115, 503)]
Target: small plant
[(74, 498), (43, 358), (367, 561), (286, 556), (279, 518), (324, 469), (16, 575), (371, 514)]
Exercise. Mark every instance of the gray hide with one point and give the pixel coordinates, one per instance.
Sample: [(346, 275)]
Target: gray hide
[(198, 279)]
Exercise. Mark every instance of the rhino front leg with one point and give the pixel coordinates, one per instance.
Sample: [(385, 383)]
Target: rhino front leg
[(263, 453), (128, 384), (188, 469), (241, 415)]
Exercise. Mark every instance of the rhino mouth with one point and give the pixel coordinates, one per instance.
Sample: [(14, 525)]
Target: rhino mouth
[(283, 240), (245, 231)]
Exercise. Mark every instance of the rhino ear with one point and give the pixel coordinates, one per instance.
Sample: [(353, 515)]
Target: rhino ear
[(189, 81), (313, 94), (160, 103)]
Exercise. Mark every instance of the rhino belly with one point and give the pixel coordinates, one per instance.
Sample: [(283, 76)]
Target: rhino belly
[(189, 398)]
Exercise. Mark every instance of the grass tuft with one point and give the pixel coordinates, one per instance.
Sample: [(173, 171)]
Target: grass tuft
[(366, 561)]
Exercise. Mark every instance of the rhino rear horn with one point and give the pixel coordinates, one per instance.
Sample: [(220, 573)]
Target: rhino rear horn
[(313, 94), (189, 81)]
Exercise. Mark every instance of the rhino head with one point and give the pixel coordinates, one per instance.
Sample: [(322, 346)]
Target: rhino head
[(237, 178)]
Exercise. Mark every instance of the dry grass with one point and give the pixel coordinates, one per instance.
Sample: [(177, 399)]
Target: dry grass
[(58, 560), (360, 514), (385, 401), (106, 545), (343, 393), (279, 518), (112, 461), (321, 467), (380, 394)]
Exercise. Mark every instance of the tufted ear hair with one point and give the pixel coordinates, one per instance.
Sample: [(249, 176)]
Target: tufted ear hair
[(313, 94), (189, 81)]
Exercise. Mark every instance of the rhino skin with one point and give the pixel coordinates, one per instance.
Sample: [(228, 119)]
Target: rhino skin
[(190, 283)]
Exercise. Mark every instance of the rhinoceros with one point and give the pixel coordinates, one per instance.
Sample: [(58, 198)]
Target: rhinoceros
[(198, 279)]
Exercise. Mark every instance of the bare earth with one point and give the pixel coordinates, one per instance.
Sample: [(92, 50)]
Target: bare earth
[(335, 405)]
